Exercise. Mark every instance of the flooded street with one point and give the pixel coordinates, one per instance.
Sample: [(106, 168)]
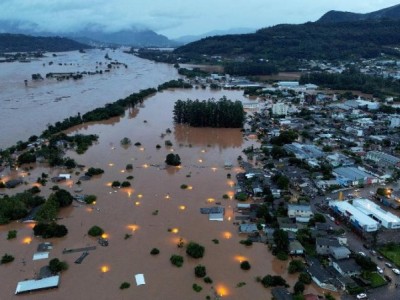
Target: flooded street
[(27, 109), (155, 211)]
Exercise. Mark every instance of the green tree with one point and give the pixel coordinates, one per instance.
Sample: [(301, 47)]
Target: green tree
[(296, 266), (176, 260), (305, 278), (200, 271), (57, 266), (173, 159), (6, 258), (195, 250), (298, 287), (95, 231), (245, 265)]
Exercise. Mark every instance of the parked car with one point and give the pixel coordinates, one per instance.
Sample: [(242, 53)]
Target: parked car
[(362, 296), (373, 252), (362, 253), (365, 246), (380, 257), (379, 269), (396, 271), (389, 265), (388, 278)]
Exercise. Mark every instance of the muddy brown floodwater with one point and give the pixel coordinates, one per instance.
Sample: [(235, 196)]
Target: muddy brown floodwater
[(155, 211), (27, 109)]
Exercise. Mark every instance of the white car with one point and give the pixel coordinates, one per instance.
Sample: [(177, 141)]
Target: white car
[(362, 253), (362, 296), (396, 271), (379, 269)]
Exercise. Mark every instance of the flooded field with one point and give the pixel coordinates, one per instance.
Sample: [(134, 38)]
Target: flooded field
[(155, 211), (27, 109)]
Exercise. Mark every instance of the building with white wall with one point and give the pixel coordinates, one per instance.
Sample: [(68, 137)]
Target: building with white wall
[(356, 217), (385, 218), (280, 109)]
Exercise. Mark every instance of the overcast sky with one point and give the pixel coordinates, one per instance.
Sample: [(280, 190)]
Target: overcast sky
[(175, 18)]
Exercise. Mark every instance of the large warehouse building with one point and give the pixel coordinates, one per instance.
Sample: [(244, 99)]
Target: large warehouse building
[(359, 219), (385, 218)]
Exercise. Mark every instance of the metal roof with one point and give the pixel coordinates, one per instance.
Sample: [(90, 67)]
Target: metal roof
[(370, 207), (348, 209), (34, 285)]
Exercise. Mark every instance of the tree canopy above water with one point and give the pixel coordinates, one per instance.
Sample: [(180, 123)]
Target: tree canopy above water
[(209, 113)]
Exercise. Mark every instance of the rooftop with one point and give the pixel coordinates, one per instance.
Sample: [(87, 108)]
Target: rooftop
[(349, 210), (369, 207), (35, 285)]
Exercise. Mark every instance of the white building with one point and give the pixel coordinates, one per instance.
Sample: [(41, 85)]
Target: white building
[(280, 109), (357, 218), (303, 211), (387, 219), (383, 158)]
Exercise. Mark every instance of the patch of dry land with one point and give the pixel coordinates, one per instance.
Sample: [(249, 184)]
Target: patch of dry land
[(155, 212)]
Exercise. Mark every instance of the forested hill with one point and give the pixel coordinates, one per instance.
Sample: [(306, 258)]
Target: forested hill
[(334, 16), (26, 43), (306, 41)]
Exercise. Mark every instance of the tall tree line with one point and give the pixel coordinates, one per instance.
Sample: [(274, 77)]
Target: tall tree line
[(209, 113)]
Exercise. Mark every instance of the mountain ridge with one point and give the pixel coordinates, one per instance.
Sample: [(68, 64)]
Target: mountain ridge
[(94, 34), (334, 16), (25, 43)]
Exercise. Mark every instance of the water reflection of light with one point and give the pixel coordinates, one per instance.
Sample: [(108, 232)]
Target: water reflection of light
[(229, 218), (141, 148), (182, 207), (137, 203), (175, 230), (240, 258), (210, 200), (200, 160), (172, 149), (230, 194), (122, 171), (108, 183), (222, 290), (203, 151), (214, 169), (105, 269), (111, 164), (231, 183), (133, 227), (27, 240), (227, 235), (105, 235), (167, 196), (140, 196), (31, 225), (190, 187), (145, 166)]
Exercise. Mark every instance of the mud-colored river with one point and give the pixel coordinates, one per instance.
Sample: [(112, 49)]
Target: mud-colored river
[(155, 211)]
